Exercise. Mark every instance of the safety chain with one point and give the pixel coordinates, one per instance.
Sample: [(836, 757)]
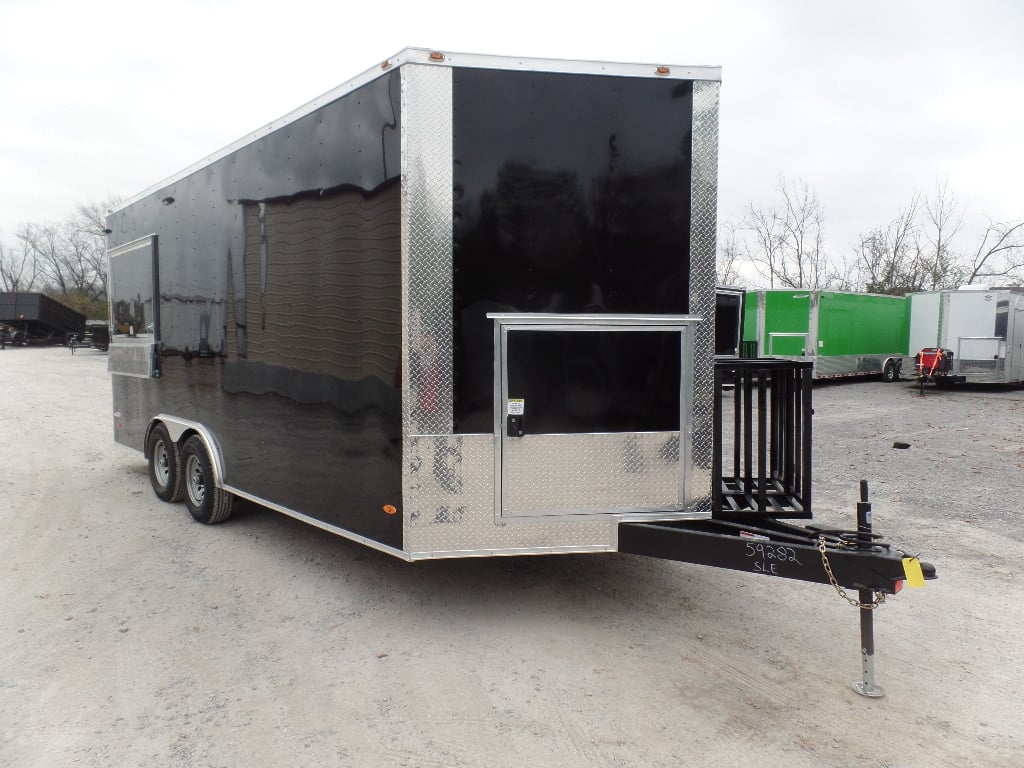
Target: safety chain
[(879, 596)]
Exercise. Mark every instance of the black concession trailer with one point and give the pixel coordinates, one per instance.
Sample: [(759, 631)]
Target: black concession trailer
[(35, 318), (464, 306)]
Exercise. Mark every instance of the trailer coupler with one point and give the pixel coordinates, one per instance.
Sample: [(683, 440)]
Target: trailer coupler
[(856, 559)]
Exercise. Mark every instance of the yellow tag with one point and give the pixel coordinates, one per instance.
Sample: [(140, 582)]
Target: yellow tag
[(912, 570)]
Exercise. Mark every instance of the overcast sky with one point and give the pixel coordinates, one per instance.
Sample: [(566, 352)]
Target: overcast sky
[(866, 102)]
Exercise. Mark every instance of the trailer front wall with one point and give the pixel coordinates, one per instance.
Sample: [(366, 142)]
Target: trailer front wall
[(572, 197), (281, 312), (569, 193)]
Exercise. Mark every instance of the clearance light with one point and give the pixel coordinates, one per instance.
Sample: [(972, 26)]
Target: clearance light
[(385, 64), (390, 509), (436, 56), (661, 71)]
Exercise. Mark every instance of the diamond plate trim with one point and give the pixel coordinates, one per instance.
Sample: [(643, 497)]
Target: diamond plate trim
[(603, 472), (703, 226), (427, 379), (449, 506)]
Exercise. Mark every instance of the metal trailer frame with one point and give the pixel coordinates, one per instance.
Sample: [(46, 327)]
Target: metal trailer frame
[(983, 327), (841, 333)]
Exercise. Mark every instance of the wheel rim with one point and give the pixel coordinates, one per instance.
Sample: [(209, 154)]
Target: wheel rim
[(162, 463), (195, 481)]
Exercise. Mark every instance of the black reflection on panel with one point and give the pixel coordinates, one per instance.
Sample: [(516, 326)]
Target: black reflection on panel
[(131, 292), (280, 307), (595, 381), (571, 195)]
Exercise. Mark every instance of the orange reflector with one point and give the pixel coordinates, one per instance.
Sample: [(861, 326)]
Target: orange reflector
[(390, 509), (436, 56), (661, 71)]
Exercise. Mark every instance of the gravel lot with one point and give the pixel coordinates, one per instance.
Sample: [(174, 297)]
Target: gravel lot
[(135, 637)]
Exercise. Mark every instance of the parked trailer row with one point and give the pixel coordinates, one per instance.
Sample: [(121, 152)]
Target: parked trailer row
[(840, 334), (974, 334)]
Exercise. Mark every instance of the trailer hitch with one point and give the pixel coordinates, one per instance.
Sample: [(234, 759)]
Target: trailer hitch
[(847, 560)]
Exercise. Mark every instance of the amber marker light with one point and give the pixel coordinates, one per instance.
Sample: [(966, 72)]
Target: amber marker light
[(436, 56), (385, 64), (661, 71), (390, 509)]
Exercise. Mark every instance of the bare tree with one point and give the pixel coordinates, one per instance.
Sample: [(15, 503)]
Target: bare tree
[(17, 269), (889, 257), (1000, 253), (767, 228), (730, 254), (69, 258), (943, 216), (790, 239), (43, 241), (90, 222)]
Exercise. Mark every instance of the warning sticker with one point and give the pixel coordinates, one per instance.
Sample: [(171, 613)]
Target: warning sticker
[(516, 406)]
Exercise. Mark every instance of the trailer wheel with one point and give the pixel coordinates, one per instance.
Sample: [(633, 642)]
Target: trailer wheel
[(207, 503), (890, 372), (164, 464)]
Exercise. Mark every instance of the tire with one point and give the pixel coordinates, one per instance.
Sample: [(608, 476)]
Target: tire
[(205, 501), (164, 465), (890, 372)]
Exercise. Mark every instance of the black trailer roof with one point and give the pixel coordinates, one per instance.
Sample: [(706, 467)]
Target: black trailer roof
[(445, 59)]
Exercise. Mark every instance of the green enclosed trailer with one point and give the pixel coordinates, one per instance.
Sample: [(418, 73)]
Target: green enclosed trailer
[(842, 334)]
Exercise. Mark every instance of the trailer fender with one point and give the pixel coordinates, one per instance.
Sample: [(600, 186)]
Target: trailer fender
[(180, 430)]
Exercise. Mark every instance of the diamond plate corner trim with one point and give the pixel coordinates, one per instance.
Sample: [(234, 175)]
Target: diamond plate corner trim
[(427, 377), (703, 233)]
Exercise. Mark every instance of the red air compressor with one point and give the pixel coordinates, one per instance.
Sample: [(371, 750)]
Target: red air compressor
[(936, 364)]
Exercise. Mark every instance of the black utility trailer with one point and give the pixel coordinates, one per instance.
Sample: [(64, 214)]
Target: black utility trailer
[(464, 306), (37, 319)]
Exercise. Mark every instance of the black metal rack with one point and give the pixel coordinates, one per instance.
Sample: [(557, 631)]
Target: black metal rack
[(770, 471)]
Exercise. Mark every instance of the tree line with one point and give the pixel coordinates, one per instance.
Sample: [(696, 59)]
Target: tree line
[(66, 260), (921, 248)]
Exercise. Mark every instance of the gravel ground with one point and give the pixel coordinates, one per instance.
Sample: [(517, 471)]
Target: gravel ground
[(135, 637)]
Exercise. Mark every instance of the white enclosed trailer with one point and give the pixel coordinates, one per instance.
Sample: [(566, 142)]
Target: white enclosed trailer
[(983, 328)]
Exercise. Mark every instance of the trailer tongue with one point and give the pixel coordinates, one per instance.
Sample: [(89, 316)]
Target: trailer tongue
[(847, 560)]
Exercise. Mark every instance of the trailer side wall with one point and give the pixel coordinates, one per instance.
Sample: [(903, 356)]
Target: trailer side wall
[(280, 312), (861, 324)]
